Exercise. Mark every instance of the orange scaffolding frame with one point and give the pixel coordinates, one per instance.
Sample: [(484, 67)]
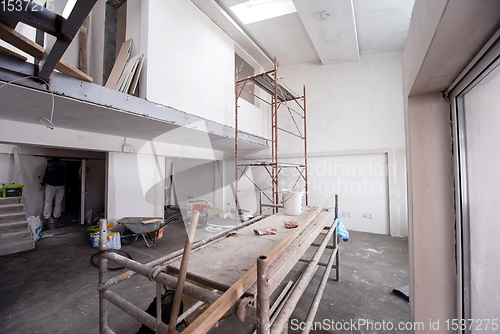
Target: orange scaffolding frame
[(280, 94)]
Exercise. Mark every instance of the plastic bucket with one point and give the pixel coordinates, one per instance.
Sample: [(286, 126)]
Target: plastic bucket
[(292, 202)]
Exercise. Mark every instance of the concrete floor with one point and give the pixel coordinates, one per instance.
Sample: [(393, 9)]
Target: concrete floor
[(52, 289)]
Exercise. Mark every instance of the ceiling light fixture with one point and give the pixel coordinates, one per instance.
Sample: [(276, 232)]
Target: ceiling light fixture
[(324, 15), (259, 10)]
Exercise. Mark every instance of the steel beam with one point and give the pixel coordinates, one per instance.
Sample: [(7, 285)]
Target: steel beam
[(68, 29), (34, 15)]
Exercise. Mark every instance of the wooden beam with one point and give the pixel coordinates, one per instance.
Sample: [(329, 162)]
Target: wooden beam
[(12, 53), (25, 44), (82, 52), (207, 319)]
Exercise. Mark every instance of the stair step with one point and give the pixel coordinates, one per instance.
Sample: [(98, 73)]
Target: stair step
[(10, 200), (11, 208), (16, 247), (15, 237), (15, 226), (11, 217)]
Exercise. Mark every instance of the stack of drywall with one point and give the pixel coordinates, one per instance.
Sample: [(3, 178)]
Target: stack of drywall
[(125, 73)]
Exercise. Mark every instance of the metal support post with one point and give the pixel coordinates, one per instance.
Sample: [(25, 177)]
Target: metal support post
[(262, 295), (182, 272), (103, 273), (289, 306), (319, 292)]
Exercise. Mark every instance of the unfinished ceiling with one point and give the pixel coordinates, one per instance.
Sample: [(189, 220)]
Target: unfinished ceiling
[(346, 30)]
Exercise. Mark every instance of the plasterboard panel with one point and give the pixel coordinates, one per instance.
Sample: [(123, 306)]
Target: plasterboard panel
[(334, 37)]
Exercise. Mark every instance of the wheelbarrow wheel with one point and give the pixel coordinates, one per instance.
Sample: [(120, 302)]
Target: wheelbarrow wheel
[(128, 237)]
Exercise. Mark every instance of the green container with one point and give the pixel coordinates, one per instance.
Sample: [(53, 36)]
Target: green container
[(13, 190)]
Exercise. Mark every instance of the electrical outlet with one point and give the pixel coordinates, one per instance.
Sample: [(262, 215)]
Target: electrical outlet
[(345, 215), (367, 215)]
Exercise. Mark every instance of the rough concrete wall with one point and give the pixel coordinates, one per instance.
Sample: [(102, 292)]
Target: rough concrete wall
[(431, 210)]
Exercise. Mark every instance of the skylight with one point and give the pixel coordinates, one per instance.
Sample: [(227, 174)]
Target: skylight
[(259, 10)]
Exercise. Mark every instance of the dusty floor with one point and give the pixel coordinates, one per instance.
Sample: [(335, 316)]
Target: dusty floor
[(52, 289)]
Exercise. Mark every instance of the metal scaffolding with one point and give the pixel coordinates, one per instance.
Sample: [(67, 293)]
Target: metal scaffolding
[(283, 101)]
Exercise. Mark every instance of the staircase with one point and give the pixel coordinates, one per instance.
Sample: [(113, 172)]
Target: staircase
[(15, 233)]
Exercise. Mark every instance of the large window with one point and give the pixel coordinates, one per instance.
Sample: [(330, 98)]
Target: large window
[(476, 106)]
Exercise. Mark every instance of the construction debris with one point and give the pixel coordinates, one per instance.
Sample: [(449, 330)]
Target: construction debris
[(266, 231), (291, 224)]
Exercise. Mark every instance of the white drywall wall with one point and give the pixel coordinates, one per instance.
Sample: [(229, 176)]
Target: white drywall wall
[(34, 134), (349, 106), (483, 165), (353, 108), (135, 185), (190, 61), (359, 180), (194, 179), (432, 216)]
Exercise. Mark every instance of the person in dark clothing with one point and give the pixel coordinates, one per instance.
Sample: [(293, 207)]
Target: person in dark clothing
[(54, 178)]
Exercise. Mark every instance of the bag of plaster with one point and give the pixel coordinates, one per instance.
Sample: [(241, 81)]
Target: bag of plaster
[(35, 226)]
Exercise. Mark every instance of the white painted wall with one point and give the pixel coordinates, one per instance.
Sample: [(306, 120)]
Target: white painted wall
[(135, 185), (194, 179), (483, 163), (34, 134), (354, 109), (351, 106), (190, 61)]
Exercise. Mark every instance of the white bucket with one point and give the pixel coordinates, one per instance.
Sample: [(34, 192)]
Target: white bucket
[(292, 202)]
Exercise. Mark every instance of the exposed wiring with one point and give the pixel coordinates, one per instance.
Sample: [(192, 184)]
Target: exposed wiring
[(127, 148), (45, 121)]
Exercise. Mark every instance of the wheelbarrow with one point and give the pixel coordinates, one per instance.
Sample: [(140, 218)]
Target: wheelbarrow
[(134, 227)]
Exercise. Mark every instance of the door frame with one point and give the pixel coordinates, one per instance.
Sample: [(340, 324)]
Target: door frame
[(480, 67)]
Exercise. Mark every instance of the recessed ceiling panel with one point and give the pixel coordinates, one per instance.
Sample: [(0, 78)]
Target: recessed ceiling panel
[(284, 37), (382, 25), (331, 28)]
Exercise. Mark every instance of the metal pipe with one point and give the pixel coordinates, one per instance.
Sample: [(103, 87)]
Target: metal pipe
[(273, 205), (190, 289), (236, 149), (182, 272), (305, 148), (122, 277), (103, 271), (289, 306), (336, 240), (262, 295), (278, 302), (189, 311), (135, 312), (283, 302), (276, 195), (319, 293), (158, 304)]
